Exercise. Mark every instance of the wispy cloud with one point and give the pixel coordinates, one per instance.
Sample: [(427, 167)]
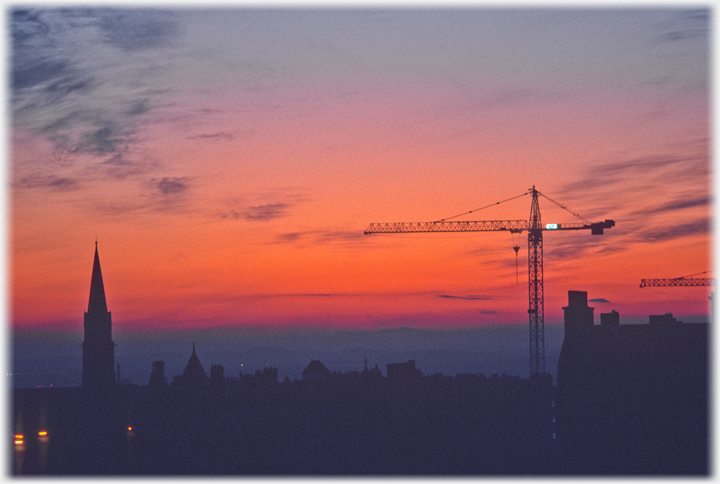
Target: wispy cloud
[(171, 185), (469, 298), (342, 236), (165, 195), (262, 207), (685, 25), (322, 237), (170, 195), (289, 238), (263, 213), (121, 166), (79, 75), (626, 189), (582, 248), (212, 137), (137, 29), (696, 227), (704, 200), (625, 178), (52, 182), (599, 300), (107, 139), (581, 245), (612, 180)]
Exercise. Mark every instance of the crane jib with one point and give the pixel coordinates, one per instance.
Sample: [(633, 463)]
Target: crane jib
[(678, 281), (515, 226), (467, 226)]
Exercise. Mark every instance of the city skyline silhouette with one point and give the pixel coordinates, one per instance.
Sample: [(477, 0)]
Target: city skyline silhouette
[(629, 400)]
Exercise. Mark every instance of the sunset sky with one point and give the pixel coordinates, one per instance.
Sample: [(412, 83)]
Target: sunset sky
[(229, 160)]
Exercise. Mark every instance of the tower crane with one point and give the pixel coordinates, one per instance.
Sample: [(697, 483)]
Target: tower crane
[(683, 281), (535, 229), (678, 281)]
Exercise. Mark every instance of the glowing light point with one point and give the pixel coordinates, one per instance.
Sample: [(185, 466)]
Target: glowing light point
[(551, 226)]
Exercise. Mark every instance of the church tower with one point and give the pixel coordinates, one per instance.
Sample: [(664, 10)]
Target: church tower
[(98, 348)]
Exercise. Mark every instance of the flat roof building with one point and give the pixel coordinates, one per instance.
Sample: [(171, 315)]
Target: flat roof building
[(632, 399)]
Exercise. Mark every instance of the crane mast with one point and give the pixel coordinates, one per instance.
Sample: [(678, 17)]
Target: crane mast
[(536, 309), (535, 228)]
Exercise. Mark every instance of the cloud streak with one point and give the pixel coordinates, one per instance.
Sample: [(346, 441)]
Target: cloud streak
[(467, 298), (349, 238), (612, 179), (121, 166), (212, 137), (677, 204), (264, 213), (626, 190), (135, 30), (684, 26), (171, 186), (262, 207), (52, 182), (699, 226), (107, 139)]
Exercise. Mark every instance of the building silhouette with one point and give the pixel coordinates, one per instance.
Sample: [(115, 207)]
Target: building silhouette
[(632, 399), (403, 371), (98, 349), (157, 380)]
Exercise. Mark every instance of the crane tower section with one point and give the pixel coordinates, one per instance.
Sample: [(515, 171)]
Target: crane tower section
[(536, 304)]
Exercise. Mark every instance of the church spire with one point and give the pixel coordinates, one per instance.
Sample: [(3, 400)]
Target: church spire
[(97, 303), (98, 348)]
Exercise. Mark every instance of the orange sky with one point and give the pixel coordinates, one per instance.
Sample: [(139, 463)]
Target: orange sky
[(229, 169)]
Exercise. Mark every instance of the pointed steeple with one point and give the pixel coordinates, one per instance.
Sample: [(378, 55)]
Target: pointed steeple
[(98, 348), (97, 303)]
